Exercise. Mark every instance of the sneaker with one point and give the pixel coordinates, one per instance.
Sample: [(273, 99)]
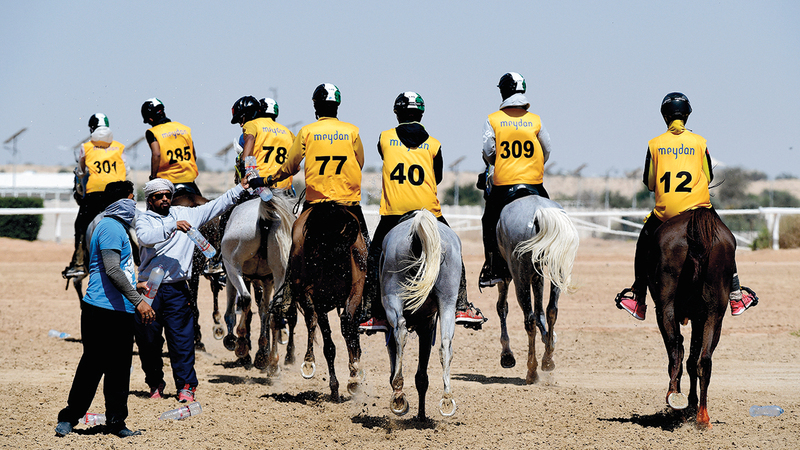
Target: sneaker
[(124, 432), (63, 429), (471, 317), (742, 300), (487, 278), (186, 394), (627, 300), (73, 272), (373, 325), (157, 393)]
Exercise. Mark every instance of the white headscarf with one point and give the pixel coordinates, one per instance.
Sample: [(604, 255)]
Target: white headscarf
[(158, 185)]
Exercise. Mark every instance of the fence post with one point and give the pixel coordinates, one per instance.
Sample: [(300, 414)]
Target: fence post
[(776, 231)]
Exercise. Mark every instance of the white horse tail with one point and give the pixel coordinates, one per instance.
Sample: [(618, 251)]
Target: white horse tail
[(554, 246), (279, 210), (417, 288)]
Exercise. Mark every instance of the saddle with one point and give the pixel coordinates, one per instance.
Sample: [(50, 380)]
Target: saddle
[(182, 189), (518, 191)]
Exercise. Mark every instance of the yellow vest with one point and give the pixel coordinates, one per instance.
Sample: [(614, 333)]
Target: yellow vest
[(409, 180), (272, 142), (178, 160), (518, 153), (334, 156), (679, 173), (103, 164)]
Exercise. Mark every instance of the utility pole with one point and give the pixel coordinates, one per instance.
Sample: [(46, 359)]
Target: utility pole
[(13, 141), (454, 168)]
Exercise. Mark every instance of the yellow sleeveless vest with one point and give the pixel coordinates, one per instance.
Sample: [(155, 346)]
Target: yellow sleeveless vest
[(409, 181), (518, 153), (272, 143), (178, 160), (103, 164)]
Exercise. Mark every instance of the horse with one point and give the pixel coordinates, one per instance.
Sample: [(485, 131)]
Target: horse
[(691, 265), (420, 278), (327, 267), (210, 230), (535, 232), (255, 249)]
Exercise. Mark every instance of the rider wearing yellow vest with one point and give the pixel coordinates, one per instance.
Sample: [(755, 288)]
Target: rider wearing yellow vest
[(173, 154), (100, 162), (678, 170), (516, 143), (264, 138), (412, 169)]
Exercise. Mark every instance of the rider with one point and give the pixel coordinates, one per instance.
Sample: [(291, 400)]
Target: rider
[(410, 155), (518, 166), (100, 162), (333, 156), (679, 176)]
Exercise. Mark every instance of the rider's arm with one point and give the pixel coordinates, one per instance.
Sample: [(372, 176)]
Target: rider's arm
[(249, 144), (649, 174), (294, 157), (488, 143), (359, 149), (155, 154), (544, 140), (707, 168), (438, 165)]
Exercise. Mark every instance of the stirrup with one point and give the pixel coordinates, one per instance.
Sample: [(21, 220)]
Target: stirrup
[(626, 293), (751, 292)]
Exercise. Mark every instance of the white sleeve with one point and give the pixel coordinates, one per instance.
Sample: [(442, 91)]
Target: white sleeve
[(544, 140), (150, 230), (488, 143)]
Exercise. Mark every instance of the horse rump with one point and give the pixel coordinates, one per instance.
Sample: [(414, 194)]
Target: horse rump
[(329, 233)]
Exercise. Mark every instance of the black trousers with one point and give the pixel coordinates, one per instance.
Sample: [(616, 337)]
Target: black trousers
[(107, 338), (91, 205)]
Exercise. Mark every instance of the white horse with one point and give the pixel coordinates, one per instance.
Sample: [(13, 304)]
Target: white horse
[(420, 277), (262, 259), (535, 232)]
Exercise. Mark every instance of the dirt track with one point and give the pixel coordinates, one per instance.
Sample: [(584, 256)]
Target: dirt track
[(607, 390)]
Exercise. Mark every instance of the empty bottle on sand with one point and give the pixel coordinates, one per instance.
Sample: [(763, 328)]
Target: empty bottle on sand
[(192, 409), (201, 242), (251, 170), (769, 410), (93, 419), (153, 282), (58, 334)]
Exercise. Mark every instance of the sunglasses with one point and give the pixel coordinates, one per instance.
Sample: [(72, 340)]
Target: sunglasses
[(158, 196)]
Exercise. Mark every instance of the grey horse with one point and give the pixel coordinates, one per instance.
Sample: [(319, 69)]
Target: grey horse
[(262, 259), (533, 233), (420, 276)]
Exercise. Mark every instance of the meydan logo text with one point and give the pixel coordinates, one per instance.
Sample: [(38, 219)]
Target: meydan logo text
[(676, 151)]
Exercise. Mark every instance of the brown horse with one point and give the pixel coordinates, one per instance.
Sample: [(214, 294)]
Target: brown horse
[(327, 266), (691, 267), (211, 232)]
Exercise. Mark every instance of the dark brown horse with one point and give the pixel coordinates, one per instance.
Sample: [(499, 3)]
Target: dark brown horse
[(327, 266), (211, 232), (691, 267)]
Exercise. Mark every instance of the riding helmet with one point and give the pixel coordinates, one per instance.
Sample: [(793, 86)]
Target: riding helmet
[(97, 120), (245, 109), (675, 106)]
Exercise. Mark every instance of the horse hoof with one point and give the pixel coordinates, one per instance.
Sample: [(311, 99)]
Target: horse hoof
[(399, 405), (229, 342), (308, 369), (284, 339), (241, 351), (548, 365), (353, 386), (507, 361), (447, 407), (218, 332), (245, 361), (260, 362), (677, 400)]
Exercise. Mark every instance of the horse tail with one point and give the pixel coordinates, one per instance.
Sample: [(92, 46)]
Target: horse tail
[(279, 210), (425, 267), (330, 231), (555, 245), (701, 234)]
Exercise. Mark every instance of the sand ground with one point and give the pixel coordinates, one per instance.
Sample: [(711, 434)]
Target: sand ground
[(607, 390)]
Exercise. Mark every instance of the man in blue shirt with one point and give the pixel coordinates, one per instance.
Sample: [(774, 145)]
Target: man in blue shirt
[(107, 312)]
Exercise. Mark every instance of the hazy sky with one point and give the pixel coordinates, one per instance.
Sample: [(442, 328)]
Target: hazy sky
[(596, 72)]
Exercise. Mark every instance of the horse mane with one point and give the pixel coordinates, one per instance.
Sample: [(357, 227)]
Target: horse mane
[(424, 232), (279, 210)]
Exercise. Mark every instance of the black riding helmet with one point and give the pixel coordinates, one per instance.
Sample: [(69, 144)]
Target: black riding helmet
[(153, 111), (675, 106), (510, 84), (245, 109), (97, 120)]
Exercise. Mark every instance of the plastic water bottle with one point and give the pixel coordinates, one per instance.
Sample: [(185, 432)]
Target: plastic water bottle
[(770, 410), (201, 242), (156, 277), (251, 170), (58, 334), (192, 409), (93, 419)]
